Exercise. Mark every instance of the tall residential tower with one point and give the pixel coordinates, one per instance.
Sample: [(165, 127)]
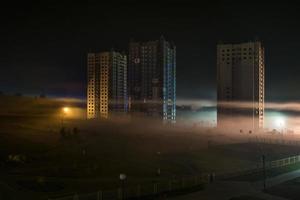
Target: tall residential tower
[(107, 84), (152, 78), (241, 83)]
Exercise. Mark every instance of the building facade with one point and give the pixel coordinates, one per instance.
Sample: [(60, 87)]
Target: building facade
[(107, 84), (241, 85), (152, 78)]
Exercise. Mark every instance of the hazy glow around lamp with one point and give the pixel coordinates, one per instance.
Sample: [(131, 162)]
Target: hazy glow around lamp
[(280, 122), (65, 109)]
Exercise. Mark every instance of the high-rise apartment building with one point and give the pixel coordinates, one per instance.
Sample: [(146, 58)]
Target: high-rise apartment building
[(241, 82), (107, 84), (152, 78)]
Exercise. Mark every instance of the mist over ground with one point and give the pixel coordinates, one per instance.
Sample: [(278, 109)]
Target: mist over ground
[(90, 154)]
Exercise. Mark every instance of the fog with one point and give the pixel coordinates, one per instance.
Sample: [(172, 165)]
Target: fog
[(134, 138), (283, 116)]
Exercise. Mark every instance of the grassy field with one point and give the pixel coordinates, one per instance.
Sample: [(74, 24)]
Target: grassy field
[(50, 164)]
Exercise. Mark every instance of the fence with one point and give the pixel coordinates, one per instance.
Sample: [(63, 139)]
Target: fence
[(145, 191), (174, 186), (284, 162), (281, 141), (259, 167)]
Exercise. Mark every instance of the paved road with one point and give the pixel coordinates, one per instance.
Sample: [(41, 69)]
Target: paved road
[(278, 179), (224, 190)]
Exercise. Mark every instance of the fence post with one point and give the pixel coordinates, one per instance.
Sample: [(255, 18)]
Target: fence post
[(183, 183), (272, 164), (99, 195), (279, 163), (138, 191), (154, 188), (75, 197), (170, 185), (119, 191)]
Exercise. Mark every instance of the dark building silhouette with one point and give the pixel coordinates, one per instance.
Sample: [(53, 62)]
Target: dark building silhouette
[(241, 78), (152, 78)]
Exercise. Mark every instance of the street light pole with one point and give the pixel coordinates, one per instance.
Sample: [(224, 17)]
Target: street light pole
[(122, 182), (123, 178), (62, 120), (65, 110), (264, 170), (158, 169)]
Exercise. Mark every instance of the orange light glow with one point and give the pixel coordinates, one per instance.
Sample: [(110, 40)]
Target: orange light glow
[(66, 110)]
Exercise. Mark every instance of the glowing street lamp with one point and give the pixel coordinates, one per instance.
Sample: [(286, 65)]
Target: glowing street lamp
[(65, 110)]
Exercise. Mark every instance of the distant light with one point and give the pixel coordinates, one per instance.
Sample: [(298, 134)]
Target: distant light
[(66, 110), (122, 177), (280, 122)]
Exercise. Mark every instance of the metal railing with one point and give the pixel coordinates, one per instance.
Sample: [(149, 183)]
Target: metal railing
[(145, 191), (173, 186), (269, 140)]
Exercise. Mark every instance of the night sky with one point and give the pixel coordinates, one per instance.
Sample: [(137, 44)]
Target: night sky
[(44, 45)]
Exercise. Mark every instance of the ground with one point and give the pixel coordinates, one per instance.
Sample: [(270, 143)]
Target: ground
[(289, 189), (246, 198), (92, 159)]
